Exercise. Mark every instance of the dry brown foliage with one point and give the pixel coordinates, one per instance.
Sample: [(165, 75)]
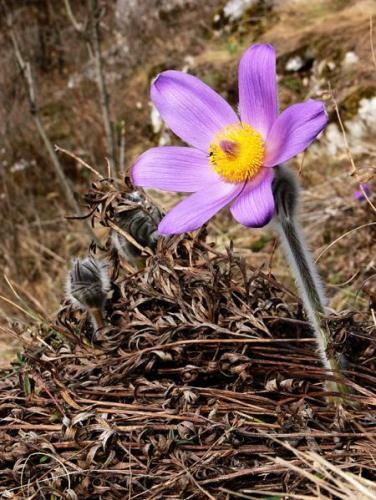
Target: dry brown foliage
[(204, 381)]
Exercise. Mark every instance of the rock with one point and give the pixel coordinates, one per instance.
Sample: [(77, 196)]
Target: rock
[(299, 63), (363, 123), (156, 120), (164, 139), (294, 64), (350, 59), (21, 165), (235, 9), (367, 112)]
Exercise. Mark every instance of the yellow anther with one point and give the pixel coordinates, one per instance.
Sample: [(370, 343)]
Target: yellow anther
[(237, 153)]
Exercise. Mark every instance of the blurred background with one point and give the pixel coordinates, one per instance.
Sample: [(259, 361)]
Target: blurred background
[(77, 75)]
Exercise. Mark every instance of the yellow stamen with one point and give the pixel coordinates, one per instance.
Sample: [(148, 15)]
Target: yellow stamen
[(237, 153)]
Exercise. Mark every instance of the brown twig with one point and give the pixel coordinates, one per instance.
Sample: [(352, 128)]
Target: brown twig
[(27, 75), (79, 160), (346, 144), (371, 41), (93, 42), (95, 13)]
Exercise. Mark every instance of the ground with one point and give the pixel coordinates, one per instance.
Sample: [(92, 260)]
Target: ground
[(325, 51), (330, 42)]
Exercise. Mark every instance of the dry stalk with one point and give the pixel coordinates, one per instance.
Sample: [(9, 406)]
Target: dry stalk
[(93, 41), (95, 12), (27, 75)]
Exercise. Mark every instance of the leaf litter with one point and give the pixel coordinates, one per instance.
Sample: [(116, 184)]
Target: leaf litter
[(204, 383)]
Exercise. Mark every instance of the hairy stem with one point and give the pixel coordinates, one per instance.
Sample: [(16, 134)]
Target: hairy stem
[(286, 193)]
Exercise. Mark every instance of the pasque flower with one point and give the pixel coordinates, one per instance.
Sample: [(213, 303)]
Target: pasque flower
[(364, 192), (231, 158)]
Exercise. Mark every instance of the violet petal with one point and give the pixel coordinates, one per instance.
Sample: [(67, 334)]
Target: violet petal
[(294, 130), (173, 169), (254, 207), (198, 208), (192, 110), (258, 101)]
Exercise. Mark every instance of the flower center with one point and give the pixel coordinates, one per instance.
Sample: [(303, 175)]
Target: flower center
[(237, 153)]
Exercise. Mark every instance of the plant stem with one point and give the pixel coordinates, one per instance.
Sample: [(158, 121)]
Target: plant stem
[(286, 192)]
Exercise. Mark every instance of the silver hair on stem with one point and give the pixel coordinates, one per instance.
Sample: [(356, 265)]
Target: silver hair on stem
[(286, 197), (87, 286), (286, 191)]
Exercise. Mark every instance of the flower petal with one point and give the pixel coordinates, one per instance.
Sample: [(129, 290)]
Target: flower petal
[(190, 108), (258, 101), (254, 207), (294, 130), (173, 169), (198, 208)]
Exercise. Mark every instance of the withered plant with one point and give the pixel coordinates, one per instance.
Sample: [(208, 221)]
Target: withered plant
[(203, 383)]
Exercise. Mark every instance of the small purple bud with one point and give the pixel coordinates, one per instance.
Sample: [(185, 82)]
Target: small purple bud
[(365, 189)]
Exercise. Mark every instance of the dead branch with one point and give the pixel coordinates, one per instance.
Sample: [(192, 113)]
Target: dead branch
[(93, 41), (79, 27), (204, 378), (34, 111), (78, 160), (122, 150), (105, 102)]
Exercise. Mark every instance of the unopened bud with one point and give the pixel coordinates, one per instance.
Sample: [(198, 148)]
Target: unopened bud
[(87, 286), (140, 220)]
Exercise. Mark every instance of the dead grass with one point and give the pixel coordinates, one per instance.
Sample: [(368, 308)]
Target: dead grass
[(205, 380)]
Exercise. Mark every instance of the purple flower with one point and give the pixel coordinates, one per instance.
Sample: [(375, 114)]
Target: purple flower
[(230, 159), (365, 189)]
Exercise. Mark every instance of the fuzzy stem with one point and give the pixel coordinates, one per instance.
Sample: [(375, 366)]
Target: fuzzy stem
[(286, 191), (306, 278)]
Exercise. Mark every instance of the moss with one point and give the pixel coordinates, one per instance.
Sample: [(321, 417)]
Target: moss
[(214, 78), (335, 278), (222, 80), (350, 105), (232, 46), (257, 19), (261, 243), (327, 236), (292, 82)]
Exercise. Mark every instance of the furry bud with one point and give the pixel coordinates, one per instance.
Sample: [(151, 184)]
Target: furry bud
[(87, 286), (140, 220)]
